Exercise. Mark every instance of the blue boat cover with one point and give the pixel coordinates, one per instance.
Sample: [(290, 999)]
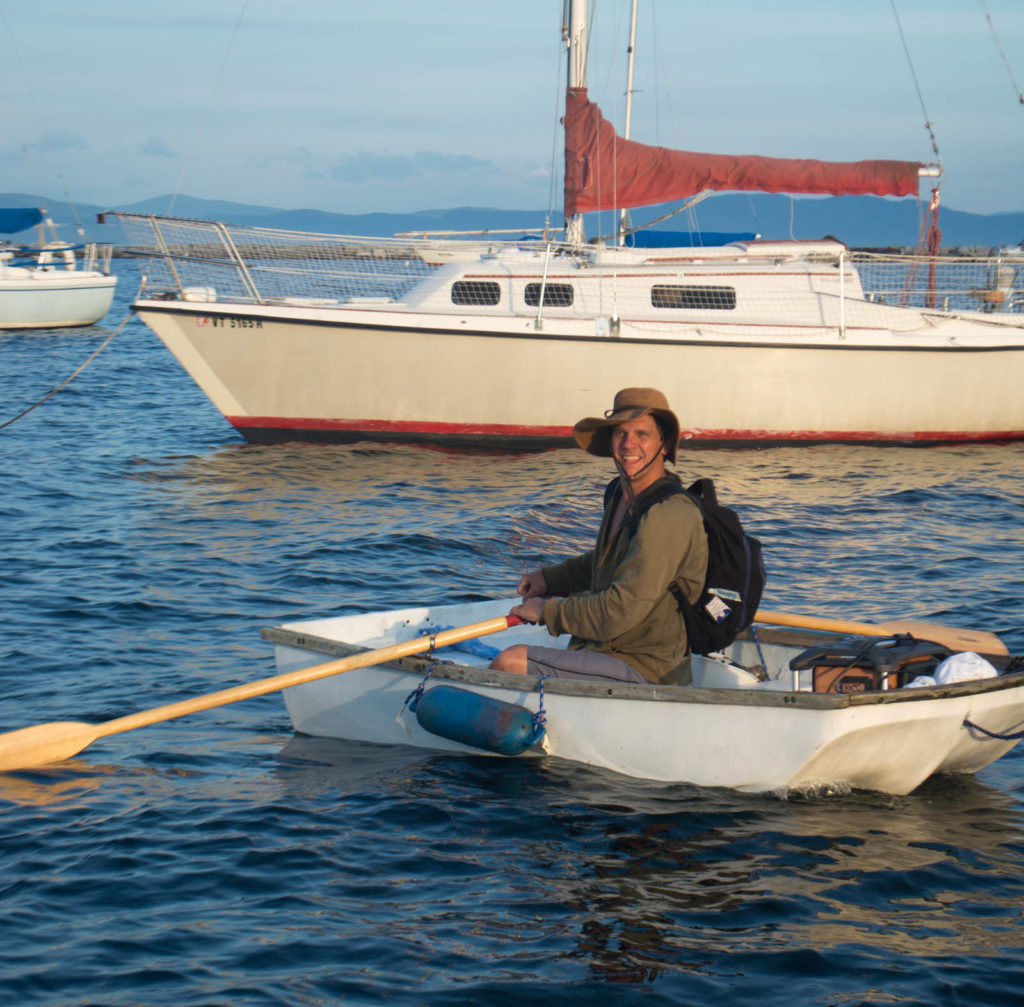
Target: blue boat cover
[(686, 239), (20, 219)]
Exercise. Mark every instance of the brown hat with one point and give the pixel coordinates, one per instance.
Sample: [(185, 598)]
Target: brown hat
[(594, 434)]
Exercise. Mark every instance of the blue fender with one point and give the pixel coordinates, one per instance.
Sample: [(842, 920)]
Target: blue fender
[(479, 721)]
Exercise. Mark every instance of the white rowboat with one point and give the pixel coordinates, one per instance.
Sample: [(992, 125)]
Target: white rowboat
[(729, 729)]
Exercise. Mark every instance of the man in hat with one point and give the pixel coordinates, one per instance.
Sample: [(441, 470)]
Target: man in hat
[(614, 600)]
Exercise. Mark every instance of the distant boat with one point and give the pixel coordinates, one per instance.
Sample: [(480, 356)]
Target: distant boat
[(52, 284), (503, 342)]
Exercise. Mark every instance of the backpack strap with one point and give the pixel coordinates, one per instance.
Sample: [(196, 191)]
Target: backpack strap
[(609, 491), (669, 485), (665, 487), (704, 489)]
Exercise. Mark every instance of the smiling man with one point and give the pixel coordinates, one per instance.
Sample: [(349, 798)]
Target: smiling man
[(614, 600)]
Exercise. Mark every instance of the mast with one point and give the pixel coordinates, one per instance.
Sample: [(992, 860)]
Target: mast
[(624, 213), (576, 37)]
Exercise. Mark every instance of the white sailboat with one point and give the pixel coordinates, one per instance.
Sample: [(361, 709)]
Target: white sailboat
[(298, 336), (53, 284)]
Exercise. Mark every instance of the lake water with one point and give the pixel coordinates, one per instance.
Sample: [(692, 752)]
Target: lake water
[(218, 859)]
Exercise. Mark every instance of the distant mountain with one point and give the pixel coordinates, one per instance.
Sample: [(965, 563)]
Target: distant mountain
[(465, 218), (860, 221)]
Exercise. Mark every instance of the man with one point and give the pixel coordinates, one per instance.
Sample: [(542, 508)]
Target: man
[(625, 623)]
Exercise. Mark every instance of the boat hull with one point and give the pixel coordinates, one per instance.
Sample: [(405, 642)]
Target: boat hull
[(752, 737), (279, 373), (57, 299)]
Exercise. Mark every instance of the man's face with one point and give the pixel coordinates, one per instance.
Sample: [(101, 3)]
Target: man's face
[(634, 444)]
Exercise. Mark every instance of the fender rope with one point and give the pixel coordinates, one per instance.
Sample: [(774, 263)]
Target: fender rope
[(74, 374), (416, 693), (994, 734), (540, 718), (760, 653)]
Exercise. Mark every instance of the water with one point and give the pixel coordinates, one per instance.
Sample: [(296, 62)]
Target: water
[(218, 859)]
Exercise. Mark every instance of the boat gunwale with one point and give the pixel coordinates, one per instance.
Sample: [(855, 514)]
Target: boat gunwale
[(439, 324), (451, 671)]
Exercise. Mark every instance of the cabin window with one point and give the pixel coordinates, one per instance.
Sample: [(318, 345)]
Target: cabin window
[(476, 292), (692, 296), (556, 295)]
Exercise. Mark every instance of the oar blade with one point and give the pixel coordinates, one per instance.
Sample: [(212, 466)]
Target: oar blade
[(953, 637), (42, 744), (46, 743)]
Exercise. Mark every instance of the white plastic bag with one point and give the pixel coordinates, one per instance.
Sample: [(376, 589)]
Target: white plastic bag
[(963, 667)]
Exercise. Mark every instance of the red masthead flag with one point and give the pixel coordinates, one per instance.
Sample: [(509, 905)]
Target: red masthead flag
[(603, 171)]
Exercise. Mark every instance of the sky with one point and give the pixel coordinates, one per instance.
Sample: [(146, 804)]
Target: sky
[(356, 106)]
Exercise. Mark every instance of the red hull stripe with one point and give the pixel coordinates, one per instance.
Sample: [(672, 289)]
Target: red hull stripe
[(515, 431), (401, 427)]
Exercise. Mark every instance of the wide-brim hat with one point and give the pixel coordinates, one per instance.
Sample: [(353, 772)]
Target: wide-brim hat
[(594, 433)]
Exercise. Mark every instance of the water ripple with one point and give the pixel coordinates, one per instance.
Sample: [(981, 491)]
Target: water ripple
[(219, 859)]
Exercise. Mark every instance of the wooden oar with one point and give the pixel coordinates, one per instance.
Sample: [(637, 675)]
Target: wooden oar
[(46, 743), (948, 636)]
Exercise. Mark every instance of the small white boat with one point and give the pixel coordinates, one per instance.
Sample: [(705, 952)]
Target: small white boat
[(749, 721), (53, 284)]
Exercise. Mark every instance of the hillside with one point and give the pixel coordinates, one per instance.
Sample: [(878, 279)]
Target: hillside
[(860, 221)]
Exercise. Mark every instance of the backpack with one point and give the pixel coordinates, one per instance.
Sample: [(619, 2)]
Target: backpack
[(735, 577)]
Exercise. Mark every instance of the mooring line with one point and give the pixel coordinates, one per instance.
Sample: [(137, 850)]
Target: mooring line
[(74, 374)]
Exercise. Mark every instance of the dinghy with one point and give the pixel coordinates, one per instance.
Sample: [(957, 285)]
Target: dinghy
[(757, 717)]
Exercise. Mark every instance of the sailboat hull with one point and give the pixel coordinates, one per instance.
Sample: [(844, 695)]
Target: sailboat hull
[(49, 300), (334, 374)]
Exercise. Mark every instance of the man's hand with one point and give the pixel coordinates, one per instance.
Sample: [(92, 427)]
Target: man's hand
[(533, 585), (531, 610)]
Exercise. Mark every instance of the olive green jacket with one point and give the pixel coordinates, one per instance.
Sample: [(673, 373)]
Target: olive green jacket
[(618, 600)]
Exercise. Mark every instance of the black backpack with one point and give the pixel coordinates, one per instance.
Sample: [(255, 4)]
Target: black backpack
[(735, 578)]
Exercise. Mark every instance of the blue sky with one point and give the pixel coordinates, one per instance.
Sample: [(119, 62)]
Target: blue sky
[(354, 106)]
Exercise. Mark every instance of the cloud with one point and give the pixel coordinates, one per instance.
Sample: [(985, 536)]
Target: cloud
[(59, 141), (373, 167), (429, 160), (367, 167), (155, 147)]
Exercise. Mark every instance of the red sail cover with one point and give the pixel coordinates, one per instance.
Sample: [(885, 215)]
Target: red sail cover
[(604, 171)]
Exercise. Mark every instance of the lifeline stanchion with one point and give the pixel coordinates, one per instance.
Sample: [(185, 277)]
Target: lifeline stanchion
[(74, 374)]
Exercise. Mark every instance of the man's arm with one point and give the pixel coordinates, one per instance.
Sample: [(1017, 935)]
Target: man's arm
[(668, 532)]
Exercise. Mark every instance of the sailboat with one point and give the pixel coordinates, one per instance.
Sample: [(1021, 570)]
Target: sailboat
[(502, 344), (52, 284)]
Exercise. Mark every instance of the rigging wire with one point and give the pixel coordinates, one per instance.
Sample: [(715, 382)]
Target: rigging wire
[(920, 96), (74, 374), (206, 111), (1006, 62), (553, 175)]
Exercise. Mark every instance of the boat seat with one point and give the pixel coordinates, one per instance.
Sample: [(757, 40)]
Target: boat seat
[(716, 672)]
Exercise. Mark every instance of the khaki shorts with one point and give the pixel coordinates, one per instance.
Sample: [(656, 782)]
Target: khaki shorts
[(559, 663)]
